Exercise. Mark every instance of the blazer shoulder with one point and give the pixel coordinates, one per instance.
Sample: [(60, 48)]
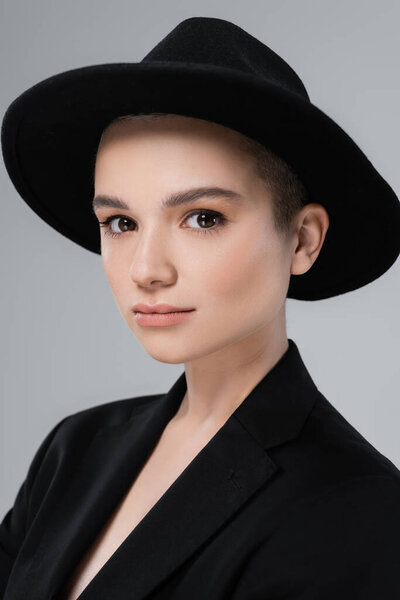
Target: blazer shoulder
[(114, 412), (85, 423), (62, 448), (336, 450)]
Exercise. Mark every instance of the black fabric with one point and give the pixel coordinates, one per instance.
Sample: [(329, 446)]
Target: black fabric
[(286, 501), (211, 69)]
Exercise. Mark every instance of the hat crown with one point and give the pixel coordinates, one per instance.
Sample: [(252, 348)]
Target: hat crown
[(217, 42)]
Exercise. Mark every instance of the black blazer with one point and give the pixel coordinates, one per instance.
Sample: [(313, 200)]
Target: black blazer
[(286, 501)]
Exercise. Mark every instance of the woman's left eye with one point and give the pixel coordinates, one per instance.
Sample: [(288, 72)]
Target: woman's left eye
[(208, 215), (205, 214)]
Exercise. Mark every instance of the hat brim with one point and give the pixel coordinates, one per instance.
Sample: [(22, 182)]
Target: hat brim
[(50, 135)]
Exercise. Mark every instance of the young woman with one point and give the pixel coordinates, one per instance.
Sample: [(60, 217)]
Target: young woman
[(213, 190)]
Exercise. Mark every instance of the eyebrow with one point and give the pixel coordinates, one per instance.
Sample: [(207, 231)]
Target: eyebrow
[(172, 200)]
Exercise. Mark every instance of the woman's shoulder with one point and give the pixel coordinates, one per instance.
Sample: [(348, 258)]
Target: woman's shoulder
[(76, 430), (330, 463), (90, 420), (341, 444)]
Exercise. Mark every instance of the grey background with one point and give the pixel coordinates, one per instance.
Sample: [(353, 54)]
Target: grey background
[(64, 344)]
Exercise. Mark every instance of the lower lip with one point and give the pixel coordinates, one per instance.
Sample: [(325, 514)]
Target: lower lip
[(161, 319)]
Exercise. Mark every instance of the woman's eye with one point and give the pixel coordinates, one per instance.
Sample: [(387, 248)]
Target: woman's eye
[(211, 220), (118, 218)]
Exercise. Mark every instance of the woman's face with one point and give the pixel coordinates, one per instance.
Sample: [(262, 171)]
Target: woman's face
[(233, 269)]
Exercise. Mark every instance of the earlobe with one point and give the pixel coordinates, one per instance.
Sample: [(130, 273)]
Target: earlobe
[(302, 262)]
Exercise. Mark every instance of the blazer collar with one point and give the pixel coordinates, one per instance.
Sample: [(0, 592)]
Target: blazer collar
[(223, 476)]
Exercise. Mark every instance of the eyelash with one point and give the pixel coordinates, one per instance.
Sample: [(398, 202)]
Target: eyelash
[(212, 213)]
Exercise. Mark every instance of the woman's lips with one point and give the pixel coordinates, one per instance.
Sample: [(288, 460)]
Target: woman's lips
[(161, 319)]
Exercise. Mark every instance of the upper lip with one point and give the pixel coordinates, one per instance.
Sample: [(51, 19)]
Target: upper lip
[(158, 308)]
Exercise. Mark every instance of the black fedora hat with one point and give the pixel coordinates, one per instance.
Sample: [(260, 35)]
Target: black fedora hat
[(211, 69)]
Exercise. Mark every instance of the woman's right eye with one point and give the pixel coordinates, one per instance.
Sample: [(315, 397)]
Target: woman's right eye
[(107, 224)]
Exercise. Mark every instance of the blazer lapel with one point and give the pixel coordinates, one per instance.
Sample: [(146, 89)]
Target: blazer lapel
[(232, 467)]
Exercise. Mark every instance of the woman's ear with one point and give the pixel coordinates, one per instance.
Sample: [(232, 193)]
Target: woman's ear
[(312, 223)]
